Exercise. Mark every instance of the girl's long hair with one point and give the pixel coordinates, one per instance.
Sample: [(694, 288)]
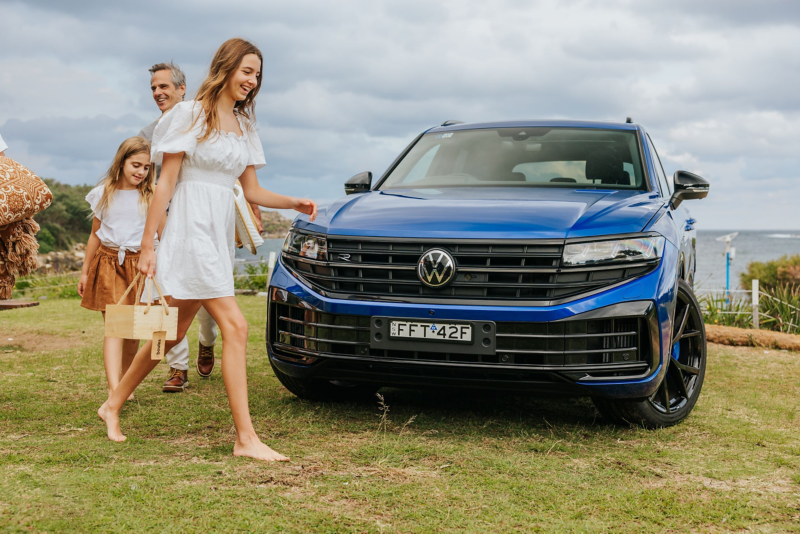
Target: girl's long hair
[(225, 62), (129, 147)]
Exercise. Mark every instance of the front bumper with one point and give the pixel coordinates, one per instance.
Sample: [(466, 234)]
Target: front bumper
[(608, 344)]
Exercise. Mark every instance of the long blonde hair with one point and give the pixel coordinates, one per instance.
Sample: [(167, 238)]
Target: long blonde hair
[(129, 147), (225, 62)]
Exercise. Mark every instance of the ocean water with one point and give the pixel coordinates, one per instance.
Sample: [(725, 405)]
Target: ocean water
[(750, 246), (244, 257)]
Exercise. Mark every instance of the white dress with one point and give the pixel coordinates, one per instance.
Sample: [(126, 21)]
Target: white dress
[(195, 257)]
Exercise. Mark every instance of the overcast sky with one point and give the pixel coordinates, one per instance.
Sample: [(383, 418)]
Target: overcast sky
[(348, 84)]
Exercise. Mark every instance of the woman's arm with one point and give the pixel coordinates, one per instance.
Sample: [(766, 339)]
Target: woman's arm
[(158, 209), (256, 194), (91, 249)]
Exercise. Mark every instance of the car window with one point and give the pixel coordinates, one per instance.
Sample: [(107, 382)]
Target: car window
[(543, 172), (419, 170), (666, 186), (522, 157)]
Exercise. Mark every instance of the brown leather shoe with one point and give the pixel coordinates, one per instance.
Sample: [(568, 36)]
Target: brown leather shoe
[(177, 381), (205, 360)]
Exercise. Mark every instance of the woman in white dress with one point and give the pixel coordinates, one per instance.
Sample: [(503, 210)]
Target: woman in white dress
[(203, 147)]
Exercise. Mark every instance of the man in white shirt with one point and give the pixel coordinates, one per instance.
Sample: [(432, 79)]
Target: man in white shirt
[(3, 146), (168, 84)]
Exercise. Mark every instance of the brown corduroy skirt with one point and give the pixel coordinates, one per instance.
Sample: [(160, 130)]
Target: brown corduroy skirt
[(108, 280)]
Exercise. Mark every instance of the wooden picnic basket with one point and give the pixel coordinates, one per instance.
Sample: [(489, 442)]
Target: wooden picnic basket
[(141, 321)]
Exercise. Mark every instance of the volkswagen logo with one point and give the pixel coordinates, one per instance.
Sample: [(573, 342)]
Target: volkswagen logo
[(436, 268)]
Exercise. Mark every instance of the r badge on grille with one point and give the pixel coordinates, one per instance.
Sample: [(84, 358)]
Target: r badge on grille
[(436, 268)]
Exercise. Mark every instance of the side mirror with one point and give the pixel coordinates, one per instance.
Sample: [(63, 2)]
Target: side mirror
[(360, 183), (688, 186)]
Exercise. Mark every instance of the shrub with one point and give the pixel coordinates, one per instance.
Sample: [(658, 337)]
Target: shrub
[(774, 273), (51, 286), (66, 221), (782, 306), (256, 276), (732, 311)]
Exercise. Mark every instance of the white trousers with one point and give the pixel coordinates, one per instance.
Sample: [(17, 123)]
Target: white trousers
[(178, 357)]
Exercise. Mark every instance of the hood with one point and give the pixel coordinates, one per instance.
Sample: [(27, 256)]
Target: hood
[(488, 213)]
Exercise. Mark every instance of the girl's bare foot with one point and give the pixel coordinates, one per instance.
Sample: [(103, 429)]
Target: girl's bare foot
[(253, 448), (112, 423), (130, 397)]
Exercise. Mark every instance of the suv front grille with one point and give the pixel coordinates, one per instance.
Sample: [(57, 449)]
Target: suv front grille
[(386, 269), (609, 345)]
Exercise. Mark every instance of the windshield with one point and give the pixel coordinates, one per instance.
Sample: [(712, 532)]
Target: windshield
[(522, 157)]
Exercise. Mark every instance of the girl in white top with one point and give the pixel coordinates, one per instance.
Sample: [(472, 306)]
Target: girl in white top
[(119, 208), (204, 146)]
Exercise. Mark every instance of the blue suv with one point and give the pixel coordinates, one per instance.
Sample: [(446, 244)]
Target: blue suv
[(548, 257)]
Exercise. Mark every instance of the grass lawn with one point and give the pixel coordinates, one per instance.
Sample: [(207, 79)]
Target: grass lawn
[(432, 463)]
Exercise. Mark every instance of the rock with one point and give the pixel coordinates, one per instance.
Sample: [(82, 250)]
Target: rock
[(276, 226), (43, 297), (245, 291)]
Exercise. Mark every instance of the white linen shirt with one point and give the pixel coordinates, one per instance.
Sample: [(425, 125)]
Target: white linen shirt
[(122, 222)]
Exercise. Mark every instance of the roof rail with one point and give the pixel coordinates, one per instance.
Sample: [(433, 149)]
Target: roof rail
[(451, 123)]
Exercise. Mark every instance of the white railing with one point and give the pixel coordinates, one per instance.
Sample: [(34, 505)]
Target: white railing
[(755, 312)]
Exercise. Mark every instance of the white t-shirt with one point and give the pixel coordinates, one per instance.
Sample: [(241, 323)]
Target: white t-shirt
[(3, 145), (122, 222)]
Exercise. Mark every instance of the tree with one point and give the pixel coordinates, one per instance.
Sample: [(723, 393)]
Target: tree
[(67, 220)]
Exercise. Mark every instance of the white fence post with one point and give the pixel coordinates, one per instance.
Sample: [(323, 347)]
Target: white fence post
[(755, 304), (272, 258)]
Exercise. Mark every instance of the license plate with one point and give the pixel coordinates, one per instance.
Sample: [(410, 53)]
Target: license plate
[(433, 331)]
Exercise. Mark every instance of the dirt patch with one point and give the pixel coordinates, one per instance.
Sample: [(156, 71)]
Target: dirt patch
[(34, 341), (749, 485), (743, 337)]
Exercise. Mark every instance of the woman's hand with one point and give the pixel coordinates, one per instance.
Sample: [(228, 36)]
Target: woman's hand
[(303, 205), (257, 212), (147, 262), (82, 284)]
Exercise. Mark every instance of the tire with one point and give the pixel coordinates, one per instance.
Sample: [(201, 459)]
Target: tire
[(316, 389), (678, 392)]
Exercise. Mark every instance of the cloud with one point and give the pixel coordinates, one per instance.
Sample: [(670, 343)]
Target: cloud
[(348, 84)]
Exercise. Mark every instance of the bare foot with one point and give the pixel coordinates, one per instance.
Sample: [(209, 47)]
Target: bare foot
[(112, 423), (130, 397), (255, 449)]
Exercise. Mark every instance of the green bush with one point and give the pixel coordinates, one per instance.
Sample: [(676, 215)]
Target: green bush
[(51, 286), (46, 241), (255, 277), (732, 311), (780, 309), (774, 273), (66, 221)]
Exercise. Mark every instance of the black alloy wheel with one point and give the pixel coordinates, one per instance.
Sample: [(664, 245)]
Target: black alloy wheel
[(686, 365)]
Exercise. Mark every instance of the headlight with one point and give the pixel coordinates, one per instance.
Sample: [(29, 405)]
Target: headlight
[(620, 251), (308, 246)]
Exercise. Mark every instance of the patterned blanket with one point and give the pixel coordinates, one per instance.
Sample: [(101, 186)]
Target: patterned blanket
[(22, 195)]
